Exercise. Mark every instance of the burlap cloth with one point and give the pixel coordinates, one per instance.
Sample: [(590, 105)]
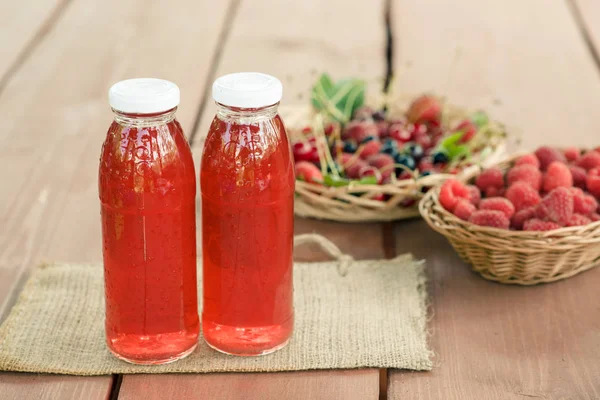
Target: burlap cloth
[(349, 314)]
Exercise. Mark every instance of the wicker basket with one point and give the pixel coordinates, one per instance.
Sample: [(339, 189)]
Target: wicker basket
[(515, 257), (354, 203)]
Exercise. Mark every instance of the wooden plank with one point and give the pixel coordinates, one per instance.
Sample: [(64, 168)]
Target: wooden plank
[(55, 115), (497, 341), (330, 385), (24, 24), (15, 386), (537, 80), (492, 340), (321, 36), (587, 15)]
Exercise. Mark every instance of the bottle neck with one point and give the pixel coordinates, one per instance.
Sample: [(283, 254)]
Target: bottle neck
[(246, 115), (145, 120)]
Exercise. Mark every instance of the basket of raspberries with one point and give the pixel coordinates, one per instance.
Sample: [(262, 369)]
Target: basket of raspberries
[(374, 163), (531, 219)]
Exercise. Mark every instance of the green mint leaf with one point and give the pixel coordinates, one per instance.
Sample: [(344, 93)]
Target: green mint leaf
[(480, 119)]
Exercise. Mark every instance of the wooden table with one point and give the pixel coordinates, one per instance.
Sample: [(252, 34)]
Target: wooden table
[(534, 64)]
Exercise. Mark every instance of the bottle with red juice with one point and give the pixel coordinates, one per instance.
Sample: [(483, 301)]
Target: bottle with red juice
[(247, 186), (147, 192)]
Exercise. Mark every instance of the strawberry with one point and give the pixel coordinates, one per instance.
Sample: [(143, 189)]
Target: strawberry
[(547, 155), (491, 177), (528, 159), (535, 224), (557, 175), (589, 160), (452, 191), (525, 173), (498, 204), (425, 109), (520, 217), (490, 218), (522, 195), (308, 172), (558, 205), (464, 209)]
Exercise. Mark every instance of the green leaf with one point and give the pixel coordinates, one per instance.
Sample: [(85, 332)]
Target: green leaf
[(368, 180), (458, 151), (340, 99), (480, 119), (451, 140), (335, 181)]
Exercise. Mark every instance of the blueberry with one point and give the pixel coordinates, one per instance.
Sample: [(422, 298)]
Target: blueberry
[(440, 157), (390, 147), (379, 115), (368, 139), (415, 151), (406, 160), (425, 173), (349, 147)]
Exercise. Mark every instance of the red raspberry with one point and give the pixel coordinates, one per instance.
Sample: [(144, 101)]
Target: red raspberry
[(583, 203), (494, 192), (535, 224), (558, 205), (369, 170), (353, 171), (370, 148), (579, 174), (522, 195), (360, 130), (498, 204), (589, 160), (592, 182), (528, 159), (491, 177), (464, 209), (469, 130), (384, 163), (572, 153), (547, 155), (475, 194), (558, 175), (595, 217), (491, 218), (520, 217), (452, 191), (525, 173), (578, 220), (308, 172)]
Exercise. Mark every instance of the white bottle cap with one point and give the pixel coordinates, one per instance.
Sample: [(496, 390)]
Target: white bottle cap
[(143, 96), (247, 90)]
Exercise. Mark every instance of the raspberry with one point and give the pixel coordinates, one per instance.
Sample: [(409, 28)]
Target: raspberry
[(384, 163), (464, 209), (520, 217), (535, 224), (491, 218), (579, 174), (522, 195), (452, 191), (469, 130), (528, 159), (589, 160), (494, 192), (360, 130), (308, 172), (558, 175), (475, 194), (369, 170), (558, 205), (525, 173), (498, 204), (595, 217), (548, 155), (578, 220), (592, 182), (370, 148), (572, 153), (353, 170), (583, 203), (491, 177)]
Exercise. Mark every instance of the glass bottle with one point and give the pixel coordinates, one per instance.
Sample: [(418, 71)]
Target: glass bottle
[(247, 185), (147, 193)]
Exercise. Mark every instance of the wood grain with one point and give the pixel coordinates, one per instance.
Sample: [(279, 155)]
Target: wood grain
[(23, 26), (496, 341), (15, 386), (330, 385), (533, 73)]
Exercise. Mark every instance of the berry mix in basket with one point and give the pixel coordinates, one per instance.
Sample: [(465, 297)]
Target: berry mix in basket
[(357, 144), (542, 191)]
